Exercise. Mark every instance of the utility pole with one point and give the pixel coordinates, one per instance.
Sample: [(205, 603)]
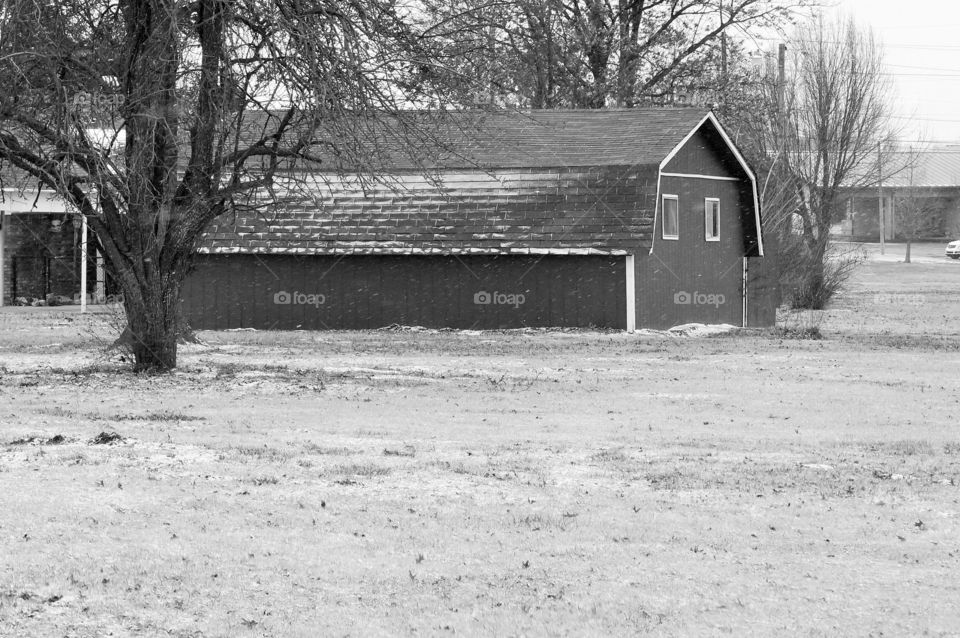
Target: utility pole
[(912, 213), (880, 197)]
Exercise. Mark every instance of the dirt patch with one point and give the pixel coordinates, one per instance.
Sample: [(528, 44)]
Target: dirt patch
[(106, 438), (56, 439)]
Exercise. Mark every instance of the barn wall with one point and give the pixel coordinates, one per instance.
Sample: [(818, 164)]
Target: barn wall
[(691, 279), (361, 292), (707, 153)]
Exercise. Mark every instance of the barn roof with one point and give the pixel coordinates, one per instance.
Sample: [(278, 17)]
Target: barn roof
[(570, 138), (596, 210), (538, 182)]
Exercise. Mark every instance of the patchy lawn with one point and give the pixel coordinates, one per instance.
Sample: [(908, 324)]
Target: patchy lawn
[(379, 483)]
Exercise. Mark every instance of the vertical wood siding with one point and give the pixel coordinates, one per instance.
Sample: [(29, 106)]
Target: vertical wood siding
[(361, 292), (706, 153), (691, 279)]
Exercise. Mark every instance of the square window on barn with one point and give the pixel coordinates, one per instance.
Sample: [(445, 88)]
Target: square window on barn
[(671, 217), (711, 218)]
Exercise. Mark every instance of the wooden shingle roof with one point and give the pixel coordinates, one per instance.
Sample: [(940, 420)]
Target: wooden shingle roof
[(540, 182), (597, 210), (573, 138)]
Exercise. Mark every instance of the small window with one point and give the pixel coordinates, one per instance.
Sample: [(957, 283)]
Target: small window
[(711, 219), (671, 217)]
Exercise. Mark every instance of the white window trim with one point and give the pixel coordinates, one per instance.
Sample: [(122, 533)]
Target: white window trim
[(663, 220), (706, 224), (720, 178)]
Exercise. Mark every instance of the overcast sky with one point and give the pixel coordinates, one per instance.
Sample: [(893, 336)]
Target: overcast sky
[(922, 50)]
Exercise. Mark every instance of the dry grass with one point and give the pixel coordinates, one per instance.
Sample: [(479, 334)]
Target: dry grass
[(509, 484)]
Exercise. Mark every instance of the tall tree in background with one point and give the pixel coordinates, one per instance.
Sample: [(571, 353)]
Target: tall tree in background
[(810, 133), (153, 117), (596, 53)]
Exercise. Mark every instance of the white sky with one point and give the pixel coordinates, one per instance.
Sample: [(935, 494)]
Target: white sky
[(921, 41)]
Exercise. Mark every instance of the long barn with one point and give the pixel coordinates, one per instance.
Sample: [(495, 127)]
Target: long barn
[(614, 219)]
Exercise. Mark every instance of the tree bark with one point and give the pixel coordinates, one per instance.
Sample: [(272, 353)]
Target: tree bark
[(154, 323)]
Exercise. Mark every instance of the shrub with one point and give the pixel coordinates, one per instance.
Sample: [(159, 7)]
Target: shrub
[(811, 277)]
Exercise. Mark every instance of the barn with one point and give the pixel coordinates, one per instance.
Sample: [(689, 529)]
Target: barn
[(608, 219)]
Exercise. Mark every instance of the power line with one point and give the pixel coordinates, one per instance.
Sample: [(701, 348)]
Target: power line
[(927, 26), (925, 68), (930, 47), (923, 119), (809, 109), (953, 142), (914, 75)]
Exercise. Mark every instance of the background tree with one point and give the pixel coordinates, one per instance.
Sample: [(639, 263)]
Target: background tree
[(914, 213), (153, 117), (811, 133), (596, 53)]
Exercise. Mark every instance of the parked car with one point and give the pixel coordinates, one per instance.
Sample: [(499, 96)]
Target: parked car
[(953, 249)]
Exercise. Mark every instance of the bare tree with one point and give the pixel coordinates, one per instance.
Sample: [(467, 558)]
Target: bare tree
[(596, 53), (914, 213), (812, 133), (153, 117)]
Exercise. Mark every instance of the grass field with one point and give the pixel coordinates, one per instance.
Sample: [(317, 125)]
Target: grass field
[(518, 483)]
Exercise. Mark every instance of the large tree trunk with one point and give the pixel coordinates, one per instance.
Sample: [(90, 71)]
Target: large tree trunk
[(540, 56), (154, 324), (626, 79)]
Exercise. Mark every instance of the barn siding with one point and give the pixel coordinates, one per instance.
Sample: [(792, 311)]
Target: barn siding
[(706, 153), (361, 292), (691, 264)]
